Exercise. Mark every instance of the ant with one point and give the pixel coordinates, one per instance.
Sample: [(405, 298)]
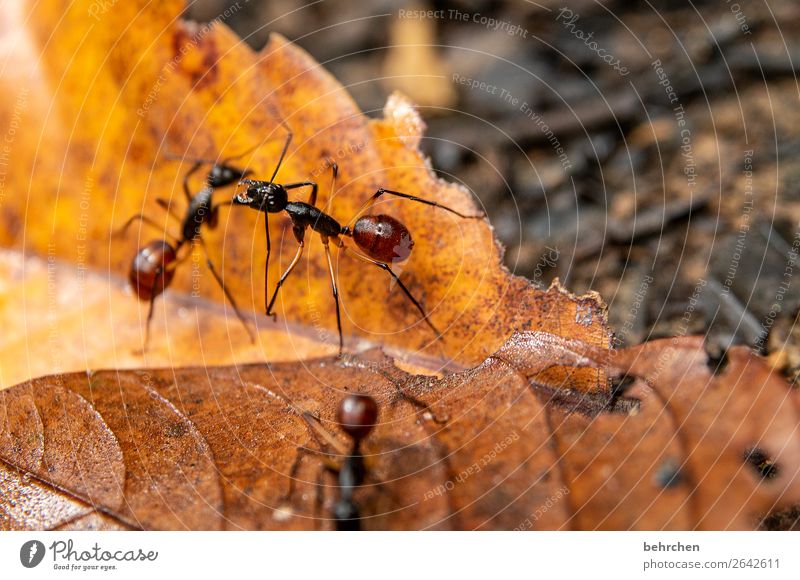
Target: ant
[(357, 415), (153, 267), (383, 239)]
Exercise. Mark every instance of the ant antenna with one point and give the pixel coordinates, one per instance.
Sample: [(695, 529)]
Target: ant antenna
[(289, 137), (207, 160), (246, 152), (334, 172)]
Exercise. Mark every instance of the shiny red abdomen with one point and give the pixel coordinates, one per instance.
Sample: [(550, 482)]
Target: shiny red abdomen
[(150, 271), (383, 238)]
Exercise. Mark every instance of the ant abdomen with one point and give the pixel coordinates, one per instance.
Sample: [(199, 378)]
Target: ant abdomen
[(383, 238), (357, 415), (151, 269)]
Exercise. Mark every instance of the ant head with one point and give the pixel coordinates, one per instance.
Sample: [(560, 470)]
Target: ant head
[(263, 196), (357, 415), (222, 175)]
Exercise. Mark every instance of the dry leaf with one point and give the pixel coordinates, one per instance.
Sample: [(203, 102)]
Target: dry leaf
[(488, 448), (530, 438), (102, 101)]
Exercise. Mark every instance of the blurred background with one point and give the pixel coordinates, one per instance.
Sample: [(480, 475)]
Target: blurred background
[(644, 150)]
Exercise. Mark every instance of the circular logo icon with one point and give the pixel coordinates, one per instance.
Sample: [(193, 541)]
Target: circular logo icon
[(31, 553)]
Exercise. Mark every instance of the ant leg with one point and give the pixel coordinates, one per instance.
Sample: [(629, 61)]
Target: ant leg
[(312, 199), (192, 171), (302, 453), (405, 290), (319, 498), (335, 291), (164, 203), (143, 218), (225, 291), (368, 204), (269, 244), (266, 261), (247, 151), (283, 278), (159, 271)]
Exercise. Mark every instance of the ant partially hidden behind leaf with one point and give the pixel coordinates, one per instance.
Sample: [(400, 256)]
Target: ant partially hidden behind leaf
[(383, 239), (153, 267), (356, 416)]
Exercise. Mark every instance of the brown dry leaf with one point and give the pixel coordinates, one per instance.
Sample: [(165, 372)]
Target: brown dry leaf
[(93, 101), (88, 320), (529, 438), (488, 448)]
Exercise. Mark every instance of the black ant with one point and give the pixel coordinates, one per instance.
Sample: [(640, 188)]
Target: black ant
[(382, 238), (356, 416), (154, 265)]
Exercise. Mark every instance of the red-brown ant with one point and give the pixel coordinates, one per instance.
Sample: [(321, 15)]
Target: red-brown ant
[(384, 239), (357, 415), (154, 265)]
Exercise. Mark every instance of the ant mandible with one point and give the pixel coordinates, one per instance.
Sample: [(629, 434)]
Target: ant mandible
[(357, 415), (382, 238), (153, 267)]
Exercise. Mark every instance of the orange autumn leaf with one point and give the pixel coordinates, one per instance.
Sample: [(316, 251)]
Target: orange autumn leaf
[(105, 99)]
